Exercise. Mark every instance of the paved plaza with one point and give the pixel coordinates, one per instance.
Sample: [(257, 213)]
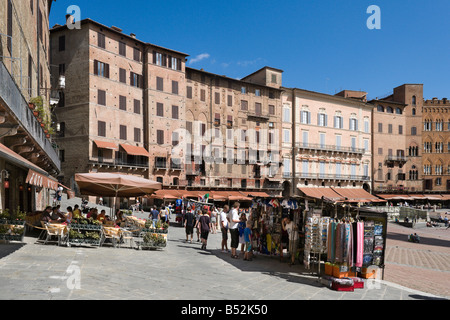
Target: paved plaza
[(182, 271)]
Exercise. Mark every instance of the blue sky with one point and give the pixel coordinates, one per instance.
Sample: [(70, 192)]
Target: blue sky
[(322, 46)]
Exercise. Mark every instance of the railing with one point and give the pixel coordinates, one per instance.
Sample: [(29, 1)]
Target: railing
[(325, 147), (326, 176), (118, 162), (396, 158)]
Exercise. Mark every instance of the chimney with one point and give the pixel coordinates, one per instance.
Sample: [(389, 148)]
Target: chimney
[(69, 19), (133, 35)]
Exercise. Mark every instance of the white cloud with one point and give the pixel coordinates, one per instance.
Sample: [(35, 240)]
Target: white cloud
[(199, 57)]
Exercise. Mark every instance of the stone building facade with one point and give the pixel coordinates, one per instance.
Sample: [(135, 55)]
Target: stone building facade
[(436, 145), (330, 140), (397, 141), (26, 149)]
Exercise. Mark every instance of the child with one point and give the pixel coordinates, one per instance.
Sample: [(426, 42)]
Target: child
[(248, 242)]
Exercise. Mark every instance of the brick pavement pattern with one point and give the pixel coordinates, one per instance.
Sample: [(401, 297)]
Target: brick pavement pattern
[(423, 266)]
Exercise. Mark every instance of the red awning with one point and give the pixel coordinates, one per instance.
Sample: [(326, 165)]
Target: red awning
[(356, 195), (318, 193), (105, 145), (37, 179), (135, 151)]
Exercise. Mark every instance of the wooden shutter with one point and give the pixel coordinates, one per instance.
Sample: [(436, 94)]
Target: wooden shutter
[(159, 109), (137, 106), (175, 112), (122, 103), (96, 67)]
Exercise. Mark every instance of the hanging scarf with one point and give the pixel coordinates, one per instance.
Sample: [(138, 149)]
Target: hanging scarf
[(331, 252), (340, 233), (350, 245), (359, 245)]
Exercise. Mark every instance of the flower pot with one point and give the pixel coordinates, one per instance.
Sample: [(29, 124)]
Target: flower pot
[(31, 106), (35, 113), (42, 124), (45, 131), (48, 136)]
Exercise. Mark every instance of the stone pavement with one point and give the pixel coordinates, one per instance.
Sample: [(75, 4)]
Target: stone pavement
[(181, 271), (423, 266)]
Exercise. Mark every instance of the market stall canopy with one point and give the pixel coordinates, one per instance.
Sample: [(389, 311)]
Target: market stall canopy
[(356, 195), (318, 193), (115, 185)]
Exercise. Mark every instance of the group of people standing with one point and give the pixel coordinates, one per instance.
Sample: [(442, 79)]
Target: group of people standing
[(230, 221)]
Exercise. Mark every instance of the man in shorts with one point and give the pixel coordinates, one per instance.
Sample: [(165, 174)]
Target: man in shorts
[(233, 219)]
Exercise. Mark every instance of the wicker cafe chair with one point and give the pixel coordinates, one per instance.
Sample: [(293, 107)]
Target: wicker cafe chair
[(51, 231), (126, 235), (108, 235)]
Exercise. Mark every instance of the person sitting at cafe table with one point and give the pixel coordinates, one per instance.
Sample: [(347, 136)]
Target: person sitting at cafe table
[(46, 215), (120, 219), (76, 212), (69, 214), (102, 216)]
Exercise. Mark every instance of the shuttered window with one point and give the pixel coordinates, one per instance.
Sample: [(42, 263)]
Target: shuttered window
[(159, 84), (102, 129), (137, 135), (136, 54), (159, 109), (174, 112), (137, 106), (101, 98), (123, 132), (189, 92), (101, 40), (174, 87), (122, 49), (123, 75), (122, 103), (160, 136)]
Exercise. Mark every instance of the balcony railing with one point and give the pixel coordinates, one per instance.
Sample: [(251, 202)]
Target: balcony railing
[(325, 147), (396, 159), (327, 176), (118, 162)]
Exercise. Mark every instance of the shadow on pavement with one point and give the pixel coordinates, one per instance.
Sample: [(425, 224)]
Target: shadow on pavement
[(423, 239), (8, 248), (272, 266), (421, 297)]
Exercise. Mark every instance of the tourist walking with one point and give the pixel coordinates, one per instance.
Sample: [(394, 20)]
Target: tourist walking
[(213, 220), (224, 227), (189, 221), (233, 219), (248, 241), (162, 214), (241, 227), (154, 214), (204, 225)]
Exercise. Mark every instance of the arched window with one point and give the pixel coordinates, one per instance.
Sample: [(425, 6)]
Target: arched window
[(398, 111), (414, 111), (380, 108), (413, 100), (389, 110)]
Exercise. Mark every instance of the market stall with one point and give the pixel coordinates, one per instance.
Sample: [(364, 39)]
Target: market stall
[(266, 215)]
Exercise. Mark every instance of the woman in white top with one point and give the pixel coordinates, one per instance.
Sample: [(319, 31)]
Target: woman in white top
[(234, 220)]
